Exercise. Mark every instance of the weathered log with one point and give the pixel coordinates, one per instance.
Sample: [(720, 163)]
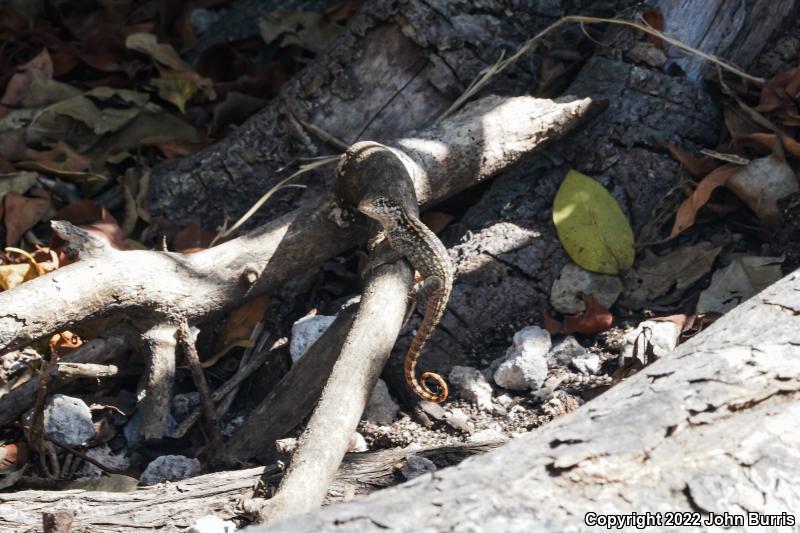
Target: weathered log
[(709, 428), (172, 507)]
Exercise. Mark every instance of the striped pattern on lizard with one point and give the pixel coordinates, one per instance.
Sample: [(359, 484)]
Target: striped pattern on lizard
[(409, 237)]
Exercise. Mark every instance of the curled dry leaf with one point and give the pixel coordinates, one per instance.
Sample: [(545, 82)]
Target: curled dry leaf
[(687, 212), (13, 275), (766, 141), (698, 167), (64, 342)]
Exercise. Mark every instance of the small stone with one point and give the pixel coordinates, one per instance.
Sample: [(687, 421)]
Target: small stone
[(434, 410), (211, 524), (563, 352), (417, 465), (662, 336), (286, 446), (458, 419), (169, 468), (474, 387), (525, 364), (573, 279), (358, 443), (68, 420), (381, 408), (305, 332), (505, 400), (587, 364)]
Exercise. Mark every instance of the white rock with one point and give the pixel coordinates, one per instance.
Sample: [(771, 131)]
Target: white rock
[(525, 364), (169, 468), (417, 465), (358, 443), (587, 364), (68, 420), (458, 419), (381, 408), (211, 524), (563, 352), (474, 387), (573, 279), (662, 335), (305, 332)]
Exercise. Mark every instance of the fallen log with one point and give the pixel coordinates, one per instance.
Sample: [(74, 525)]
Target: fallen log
[(710, 428), (172, 507)]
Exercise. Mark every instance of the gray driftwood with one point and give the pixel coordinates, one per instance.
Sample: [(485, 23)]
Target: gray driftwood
[(173, 507), (709, 428)]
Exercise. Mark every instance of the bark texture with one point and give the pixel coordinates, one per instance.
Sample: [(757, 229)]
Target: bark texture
[(175, 506), (708, 428)]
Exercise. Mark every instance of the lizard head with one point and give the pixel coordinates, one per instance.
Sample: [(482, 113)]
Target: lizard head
[(381, 208)]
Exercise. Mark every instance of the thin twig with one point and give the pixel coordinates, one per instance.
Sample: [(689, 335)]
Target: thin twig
[(307, 167), (212, 422), (81, 455), (530, 45)]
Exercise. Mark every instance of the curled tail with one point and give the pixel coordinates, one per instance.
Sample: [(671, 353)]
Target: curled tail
[(421, 388)]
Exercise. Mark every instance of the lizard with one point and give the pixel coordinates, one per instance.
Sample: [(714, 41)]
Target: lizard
[(408, 237)]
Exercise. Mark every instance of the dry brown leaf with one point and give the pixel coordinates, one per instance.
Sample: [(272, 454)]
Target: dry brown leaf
[(193, 238), (243, 319), (767, 140), (780, 92), (687, 212), (698, 167), (595, 319), (165, 54), (655, 20), (21, 213), (93, 218), (40, 67), (436, 220)]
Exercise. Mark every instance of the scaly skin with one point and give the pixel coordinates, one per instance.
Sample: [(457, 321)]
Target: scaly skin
[(409, 237)]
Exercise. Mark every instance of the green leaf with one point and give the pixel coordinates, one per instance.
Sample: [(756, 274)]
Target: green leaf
[(591, 226)]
